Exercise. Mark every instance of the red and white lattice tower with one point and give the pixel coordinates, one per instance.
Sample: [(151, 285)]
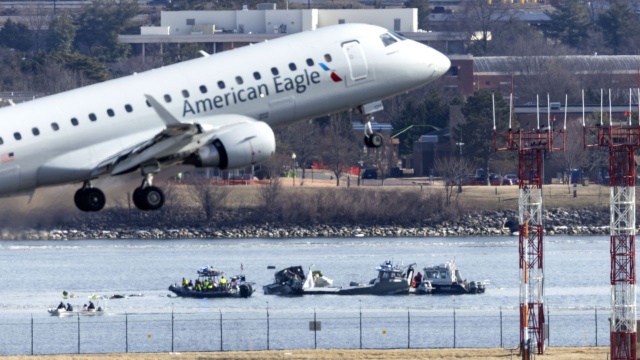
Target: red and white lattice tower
[(620, 139), (531, 146)]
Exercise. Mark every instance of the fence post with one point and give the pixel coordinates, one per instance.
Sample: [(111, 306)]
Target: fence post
[(315, 330), (548, 327), (267, 325), (408, 328), (31, 334), (596, 320), (360, 324), (126, 332), (501, 326), (220, 330), (454, 328), (78, 333), (172, 338)]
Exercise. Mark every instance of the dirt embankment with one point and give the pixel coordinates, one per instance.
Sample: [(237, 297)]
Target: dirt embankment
[(585, 353)]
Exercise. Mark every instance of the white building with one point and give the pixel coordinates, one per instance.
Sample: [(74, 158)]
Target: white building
[(273, 21)]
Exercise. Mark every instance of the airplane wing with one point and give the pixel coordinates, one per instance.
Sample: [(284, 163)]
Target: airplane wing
[(176, 142)]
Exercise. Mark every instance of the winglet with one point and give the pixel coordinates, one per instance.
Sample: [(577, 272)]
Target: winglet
[(163, 113)]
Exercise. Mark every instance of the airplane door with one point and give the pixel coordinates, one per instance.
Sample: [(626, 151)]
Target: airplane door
[(9, 179), (358, 69)]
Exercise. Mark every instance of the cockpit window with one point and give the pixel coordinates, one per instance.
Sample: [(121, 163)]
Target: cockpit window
[(387, 39), (398, 36)]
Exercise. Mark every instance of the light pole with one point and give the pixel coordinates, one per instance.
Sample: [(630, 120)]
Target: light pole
[(293, 167), (460, 144)]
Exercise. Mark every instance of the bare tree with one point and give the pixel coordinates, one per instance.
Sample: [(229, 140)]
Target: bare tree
[(574, 155), (39, 19), (478, 19), (270, 193), (452, 169), (304, 141), (210, 197), (338, 146)]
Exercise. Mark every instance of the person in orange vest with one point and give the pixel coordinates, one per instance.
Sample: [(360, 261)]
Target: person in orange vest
[(417, 280)]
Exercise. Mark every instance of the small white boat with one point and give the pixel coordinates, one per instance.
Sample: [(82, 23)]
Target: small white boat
[(68, 310)]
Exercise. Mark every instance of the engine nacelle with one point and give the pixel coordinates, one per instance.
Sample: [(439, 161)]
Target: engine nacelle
[(237, 146)]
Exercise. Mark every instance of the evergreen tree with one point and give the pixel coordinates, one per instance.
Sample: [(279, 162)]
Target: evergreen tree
[(419, 118), (569, 23), (16, 36), (619, 27), (61, 34), (477, 131), (423, 11), (100, 24)]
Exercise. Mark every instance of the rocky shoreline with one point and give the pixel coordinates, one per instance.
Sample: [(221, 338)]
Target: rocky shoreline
[(594, 221)]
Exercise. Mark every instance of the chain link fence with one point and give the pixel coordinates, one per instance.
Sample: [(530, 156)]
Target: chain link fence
[(270, 329)]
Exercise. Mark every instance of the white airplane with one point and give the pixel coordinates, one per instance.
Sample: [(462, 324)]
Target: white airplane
[(215, 111)]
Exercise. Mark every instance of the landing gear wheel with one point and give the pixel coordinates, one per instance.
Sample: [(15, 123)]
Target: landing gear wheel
[(148, 198), (367, 141), (78, 199), (94, 199), (137, 199), (375, 140), (89, 199)]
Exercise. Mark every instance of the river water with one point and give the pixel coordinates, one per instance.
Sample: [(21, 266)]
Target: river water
[(36, 272)]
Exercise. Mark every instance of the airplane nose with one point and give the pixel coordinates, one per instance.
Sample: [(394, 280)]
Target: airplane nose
[(441, 63)]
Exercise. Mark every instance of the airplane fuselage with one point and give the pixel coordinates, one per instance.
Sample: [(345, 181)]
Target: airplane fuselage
[(64, 137)]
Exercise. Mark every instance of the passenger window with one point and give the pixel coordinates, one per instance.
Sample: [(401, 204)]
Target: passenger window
[(203, 89), (274, 71), (17, 136), (310, 62), (110, 112), (55, 126), (327, 57), (221, 84), (185, 93), (292, 67), (92, 117), (128, 108), (74, 121), (167, 98), (239, 80), (35, 131), (256, 75)]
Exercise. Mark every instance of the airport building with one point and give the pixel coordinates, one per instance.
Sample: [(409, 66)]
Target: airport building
[(228, 29)]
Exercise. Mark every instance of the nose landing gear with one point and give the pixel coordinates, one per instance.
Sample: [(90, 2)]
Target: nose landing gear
[(371, 139)]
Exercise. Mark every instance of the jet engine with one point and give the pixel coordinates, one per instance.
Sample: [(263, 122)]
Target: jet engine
[(237, 146)]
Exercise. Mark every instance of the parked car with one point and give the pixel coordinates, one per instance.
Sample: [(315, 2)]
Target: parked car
[(370, 174), (510, 179), (494, 180)]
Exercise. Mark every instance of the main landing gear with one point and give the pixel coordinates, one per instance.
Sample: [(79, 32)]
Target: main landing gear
[(88, 198), (147, 196)]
